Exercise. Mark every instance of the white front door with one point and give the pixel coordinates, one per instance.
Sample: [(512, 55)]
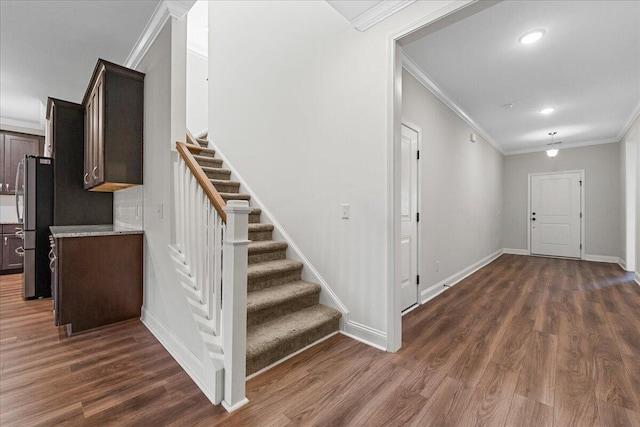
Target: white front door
[(409, 217), (555, 216)]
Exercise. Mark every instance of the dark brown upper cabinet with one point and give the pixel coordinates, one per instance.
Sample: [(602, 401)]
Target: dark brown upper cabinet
[(13, 148), (113, 109)]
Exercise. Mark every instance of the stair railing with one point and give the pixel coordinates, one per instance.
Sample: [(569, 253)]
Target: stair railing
[(205, 225)]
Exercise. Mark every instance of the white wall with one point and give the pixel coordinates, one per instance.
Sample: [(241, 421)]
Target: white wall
[(197, 92), (601, 164), (298, 102), (461, 188), (165, 309)]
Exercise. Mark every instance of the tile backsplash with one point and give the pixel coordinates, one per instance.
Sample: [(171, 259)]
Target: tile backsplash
[(8, 210), (127, 207)]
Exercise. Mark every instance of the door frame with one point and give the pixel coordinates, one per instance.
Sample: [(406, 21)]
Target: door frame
[(418, 130), (582, 207)]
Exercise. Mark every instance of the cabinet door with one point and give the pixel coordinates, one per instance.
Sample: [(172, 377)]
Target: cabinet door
[(10, 258), (2, 171), (88, 142), (94, 135), (15, 148)]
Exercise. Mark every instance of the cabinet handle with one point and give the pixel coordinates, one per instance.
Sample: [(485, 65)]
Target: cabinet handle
[(5, 240), (94, 172), (86, 178), (0, 186), (7, 185)]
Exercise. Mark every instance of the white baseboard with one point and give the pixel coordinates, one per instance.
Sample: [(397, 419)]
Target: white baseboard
[(365, 334), (622, 264), (638, 278), (601, 258), (515, 251), (181, 354), (452, 280)]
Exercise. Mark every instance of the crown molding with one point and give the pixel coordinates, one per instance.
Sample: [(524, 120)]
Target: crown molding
[(378, 13), (632, 118), (417, 72), (564, 146), (166, 9), (34, 128)]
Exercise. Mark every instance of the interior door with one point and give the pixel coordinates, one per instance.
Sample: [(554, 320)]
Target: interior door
[(555, 217), (409, 217)]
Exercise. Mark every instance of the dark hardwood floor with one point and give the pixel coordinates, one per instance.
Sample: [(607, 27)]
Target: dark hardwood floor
[(523, 342)]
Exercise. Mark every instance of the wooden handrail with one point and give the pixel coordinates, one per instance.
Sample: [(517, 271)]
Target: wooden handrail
[(216, 200)]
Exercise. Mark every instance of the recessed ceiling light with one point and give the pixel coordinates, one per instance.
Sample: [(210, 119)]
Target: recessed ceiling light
[(509, 105), (547, 110), (531, 37)]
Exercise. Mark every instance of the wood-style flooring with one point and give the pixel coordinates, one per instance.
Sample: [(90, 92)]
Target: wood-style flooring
[(523, 342)]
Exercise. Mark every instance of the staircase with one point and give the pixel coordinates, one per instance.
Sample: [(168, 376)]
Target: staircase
[(283, 311)]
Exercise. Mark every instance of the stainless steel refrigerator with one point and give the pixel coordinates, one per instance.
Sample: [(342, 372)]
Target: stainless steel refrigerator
[(34, 204)]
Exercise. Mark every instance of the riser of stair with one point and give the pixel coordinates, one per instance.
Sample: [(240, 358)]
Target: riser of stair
[(260, 232), (224, 186), (273, 273), (209, 162), (268, 250), (271, 341), (216, 173), (268, 304)]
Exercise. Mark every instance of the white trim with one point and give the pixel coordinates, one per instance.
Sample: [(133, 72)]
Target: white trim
[(563, 146), (165, 9), (236, 406), (637, 278), (410, 309), (310, 273), (512, 251), (273, 365), (632, 118), (379, 13), (602, 258), (454, 279), (365, 334), (181, 354), (393, 312), (422, 77), (622, 264), (583, 209)]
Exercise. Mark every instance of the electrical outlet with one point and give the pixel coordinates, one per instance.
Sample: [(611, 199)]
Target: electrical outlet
[(345, 211), (159, 211), (437, 265)]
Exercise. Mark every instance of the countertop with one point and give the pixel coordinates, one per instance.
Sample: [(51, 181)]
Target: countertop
[(91, 230)]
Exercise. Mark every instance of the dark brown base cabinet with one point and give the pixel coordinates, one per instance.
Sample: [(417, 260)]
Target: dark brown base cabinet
[(11, 260), (97, 280)]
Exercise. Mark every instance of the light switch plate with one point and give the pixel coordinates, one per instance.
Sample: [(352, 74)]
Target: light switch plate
[(345, 211)]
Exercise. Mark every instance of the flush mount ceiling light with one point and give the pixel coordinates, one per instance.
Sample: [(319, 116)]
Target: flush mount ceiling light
[(531, 37), (552, 151), (547, 110)]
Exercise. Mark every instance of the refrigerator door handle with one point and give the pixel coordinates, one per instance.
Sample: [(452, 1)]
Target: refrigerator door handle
[(20, 167)]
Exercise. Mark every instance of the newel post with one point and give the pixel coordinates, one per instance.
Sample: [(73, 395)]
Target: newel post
[(234, 303)]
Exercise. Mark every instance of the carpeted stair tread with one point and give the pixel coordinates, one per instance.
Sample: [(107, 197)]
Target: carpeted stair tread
[(255, 211), (269, 297), (203, 142), (223, 185), (260, 227), (216, 170), (271, 341), (266, 246), (205, 152), (234, 196), (272, 267)]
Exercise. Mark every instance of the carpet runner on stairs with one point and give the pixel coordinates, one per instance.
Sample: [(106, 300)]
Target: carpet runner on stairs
[(284, 314)]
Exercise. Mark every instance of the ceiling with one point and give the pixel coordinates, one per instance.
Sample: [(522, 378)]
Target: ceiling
[(351, 9), (49, 49), (587, 66)]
